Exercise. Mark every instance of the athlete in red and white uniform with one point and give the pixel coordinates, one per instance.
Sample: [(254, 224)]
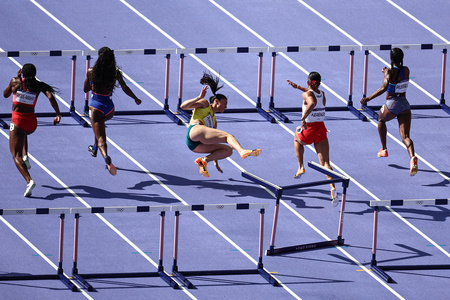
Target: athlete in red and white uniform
[(313, 130), (25, 92)]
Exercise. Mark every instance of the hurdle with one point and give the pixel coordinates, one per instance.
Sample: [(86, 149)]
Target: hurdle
[(174, 116), (182, 275), (60, 272), (278, 191), (372, 110), (51, 53), (81, 278), (380, 270), (260, 50), (290, 49)]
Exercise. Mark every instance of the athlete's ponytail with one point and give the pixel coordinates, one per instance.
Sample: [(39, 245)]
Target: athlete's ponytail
[(32, 84), (397, 58), (213, 83)]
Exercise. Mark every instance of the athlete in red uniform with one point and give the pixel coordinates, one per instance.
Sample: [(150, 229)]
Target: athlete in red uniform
[(313, 130), (23, 121)]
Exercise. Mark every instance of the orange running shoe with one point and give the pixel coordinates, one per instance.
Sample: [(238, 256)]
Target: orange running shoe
[(299, 173), (246, 153), (383, 153), (413, 167), (201, 163)]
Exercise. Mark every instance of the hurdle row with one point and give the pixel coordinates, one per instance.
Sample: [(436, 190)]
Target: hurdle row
[(272, 113), (380, 270), (78, 279)]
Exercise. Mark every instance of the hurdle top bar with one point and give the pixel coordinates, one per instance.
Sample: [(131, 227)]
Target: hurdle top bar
[(315, 48), (221, 50), (409, 202), (133, 52), (326, 171), (34, 211), (229, 206), (119, 209), (41, 53), (405, 47)]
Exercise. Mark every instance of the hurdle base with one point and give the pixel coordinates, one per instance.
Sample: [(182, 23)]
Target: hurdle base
[(165, 277), (4, 124), (371, 112), (357, 113), (59, 277), (304, 247), (377, 270), (279, 115), (79, 119), (266, 115), (174, 117), (446, 108), (182, 275)]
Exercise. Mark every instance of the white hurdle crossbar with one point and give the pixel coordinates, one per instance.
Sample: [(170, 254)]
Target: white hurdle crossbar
[(182, 275), (278, 191), (376, 204)]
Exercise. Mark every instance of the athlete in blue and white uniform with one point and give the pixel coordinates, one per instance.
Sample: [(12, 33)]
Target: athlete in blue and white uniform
[(395, 84), (101, 80)]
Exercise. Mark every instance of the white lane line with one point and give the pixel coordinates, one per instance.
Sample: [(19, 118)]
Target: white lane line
[(418, 21)]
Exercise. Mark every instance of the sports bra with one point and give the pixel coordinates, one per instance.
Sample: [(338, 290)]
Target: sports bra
[(25, 97), (401, 86)]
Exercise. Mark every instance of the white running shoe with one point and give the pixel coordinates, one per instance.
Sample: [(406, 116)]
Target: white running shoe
[(334, 197), (30, 187), (27, 162)]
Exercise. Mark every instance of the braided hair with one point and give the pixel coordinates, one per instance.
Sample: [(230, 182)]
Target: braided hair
[(314, 79), (397, 58), (32, 84), (105, 71), (213, 83)]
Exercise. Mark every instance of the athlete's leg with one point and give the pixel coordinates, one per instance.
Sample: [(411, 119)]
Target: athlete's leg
[(98, 126), (299, 151), (17, 139), (208, 136), (404, 124), (216, 151), (323, 152), (384, 115)]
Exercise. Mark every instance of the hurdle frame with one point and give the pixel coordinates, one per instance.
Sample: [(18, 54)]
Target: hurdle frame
[(182, 275), (278, 191), (60, 272), (373, 110), (380, 270), (51, 53), (81, 278)]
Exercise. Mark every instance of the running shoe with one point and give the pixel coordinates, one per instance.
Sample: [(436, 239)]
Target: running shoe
[(246, 153), (30, 187), (201, 163), (383, 153), (27, 162), (334, 197), (93, 150), (109, 165), (413, 167), (299, 173)]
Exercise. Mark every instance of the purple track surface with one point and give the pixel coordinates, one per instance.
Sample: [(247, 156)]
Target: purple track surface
[(156, 168)]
